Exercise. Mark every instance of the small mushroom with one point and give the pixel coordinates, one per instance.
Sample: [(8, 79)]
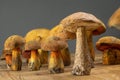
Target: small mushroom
[(14, 44), (54, 44), (59, 31), (38, 34), (34, 61), (114, 20), (79, 23), (110, 46)]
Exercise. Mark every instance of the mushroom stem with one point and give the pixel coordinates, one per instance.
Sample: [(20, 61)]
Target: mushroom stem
[(90, 44), (55, 62), (43, 55), (82, 65), (111, 56), (8, 58), (16, 59), (65, 54), (34, 61)]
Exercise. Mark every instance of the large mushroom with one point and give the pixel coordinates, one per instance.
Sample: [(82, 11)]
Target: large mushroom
[(13, 45), (110, 46), (80, 23), (54, 44), (34, 60), (59, 31), (38, 34), (114, 20)]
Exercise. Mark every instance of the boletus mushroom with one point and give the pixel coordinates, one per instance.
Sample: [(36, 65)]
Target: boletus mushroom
[(59, 31), (34, 60), (38, 34), (80, 23), (110, 46), (14, 45), (54, 44), (114, 20)]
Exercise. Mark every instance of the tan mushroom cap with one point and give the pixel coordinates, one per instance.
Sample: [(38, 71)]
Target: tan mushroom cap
[(108, 42), (59, 31), (36, 34), (82, 19), (14, 41), (114, 20), (32, 45), (53, 43)]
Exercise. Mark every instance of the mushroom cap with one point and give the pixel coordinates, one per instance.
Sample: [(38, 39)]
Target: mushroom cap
[(82, 19), (14, 41), (59, 31), (36, 34), (32, 45), (53, 43), (108, 42), (114, 20)]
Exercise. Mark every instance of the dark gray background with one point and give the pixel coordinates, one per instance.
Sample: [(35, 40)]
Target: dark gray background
[(20, 16)]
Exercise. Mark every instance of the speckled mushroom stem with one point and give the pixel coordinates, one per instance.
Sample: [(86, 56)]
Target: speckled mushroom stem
[(65, 54), (16, 59), (82, 64), (90, 44), (55, 62), (34, 61)]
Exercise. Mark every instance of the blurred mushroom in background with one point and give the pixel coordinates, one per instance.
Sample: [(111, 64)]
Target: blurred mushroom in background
[(13, 48), (55, 45), (38, 34), (79, 23), (59, 31), (114, 20), (34, 60), (110, 46)]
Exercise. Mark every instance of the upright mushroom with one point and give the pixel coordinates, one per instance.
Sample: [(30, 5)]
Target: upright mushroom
[(38, 34), (54, 44), (34, 61), (111, 49), (80, 23), (114, 20), (59, 31), (15, 44)]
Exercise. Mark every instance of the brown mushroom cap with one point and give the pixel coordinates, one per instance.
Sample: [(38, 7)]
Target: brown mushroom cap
[(82, 19), (14, 41), (107, 43), (114, 20), (59, 31), (53, 43), (32, 45), (36, 34)]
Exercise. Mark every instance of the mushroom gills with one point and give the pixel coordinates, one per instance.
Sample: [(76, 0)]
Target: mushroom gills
[(34, 61), (55, 62)]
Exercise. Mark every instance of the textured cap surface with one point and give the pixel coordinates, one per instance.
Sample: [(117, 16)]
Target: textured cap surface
[(114, 20), (82, 19), (32, 45), (14, 41), (36, 34), (108, 42), (59, 31), (53, 43)]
